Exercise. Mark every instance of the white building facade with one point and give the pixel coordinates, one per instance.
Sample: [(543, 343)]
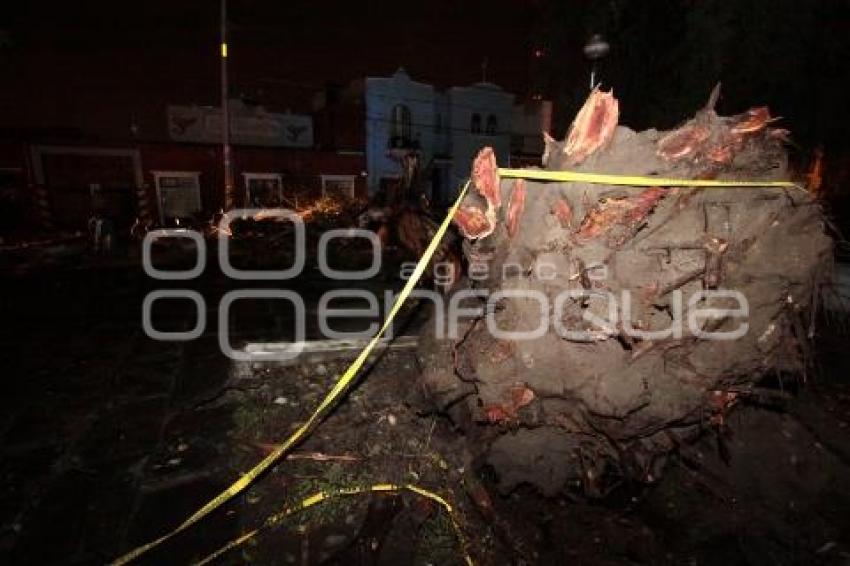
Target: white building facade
[(443, 129), (400, 117), (480, 116)]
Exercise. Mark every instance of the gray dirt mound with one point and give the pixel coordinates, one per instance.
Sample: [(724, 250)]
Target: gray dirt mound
[(586, 402)]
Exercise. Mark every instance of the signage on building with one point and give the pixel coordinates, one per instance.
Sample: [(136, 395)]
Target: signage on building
[(248, 126)]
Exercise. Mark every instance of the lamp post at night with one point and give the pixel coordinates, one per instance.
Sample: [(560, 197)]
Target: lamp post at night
[(595, 49), (229, 192)]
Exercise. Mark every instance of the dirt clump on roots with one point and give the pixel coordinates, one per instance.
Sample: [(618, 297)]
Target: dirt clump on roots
[(593, 399)]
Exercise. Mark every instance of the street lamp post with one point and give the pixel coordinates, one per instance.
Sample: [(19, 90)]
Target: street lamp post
[(225, 116), (595, 49)]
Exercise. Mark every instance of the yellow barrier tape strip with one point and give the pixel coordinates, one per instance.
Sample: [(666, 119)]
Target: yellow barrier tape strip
[(633, 181), (228, 547), (322, 496), (347, 377), (340, 386)]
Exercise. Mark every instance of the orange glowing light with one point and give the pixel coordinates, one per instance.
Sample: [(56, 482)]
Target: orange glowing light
[(814, 178)]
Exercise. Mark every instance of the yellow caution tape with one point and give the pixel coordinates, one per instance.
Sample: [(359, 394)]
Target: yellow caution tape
[(634, 181), (322, 496), (332, 396), (345, 380)]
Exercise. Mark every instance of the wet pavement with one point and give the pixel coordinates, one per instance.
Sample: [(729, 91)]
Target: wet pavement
[(90, 402), (110, 438)]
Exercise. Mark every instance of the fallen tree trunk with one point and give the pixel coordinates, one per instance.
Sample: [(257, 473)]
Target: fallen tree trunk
[(626, 367)]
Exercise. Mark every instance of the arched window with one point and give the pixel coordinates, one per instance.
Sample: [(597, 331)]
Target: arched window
[(400, 123), (492, 124), (475, 124)]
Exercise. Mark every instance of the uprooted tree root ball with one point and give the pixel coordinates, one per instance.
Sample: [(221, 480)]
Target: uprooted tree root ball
[(593, 399)]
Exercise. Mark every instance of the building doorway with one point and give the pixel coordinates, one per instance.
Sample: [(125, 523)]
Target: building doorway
[(82, 182), (178, 195)]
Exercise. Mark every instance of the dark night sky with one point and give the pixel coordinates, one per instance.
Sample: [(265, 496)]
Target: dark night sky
[(100, 62), (97, 65)]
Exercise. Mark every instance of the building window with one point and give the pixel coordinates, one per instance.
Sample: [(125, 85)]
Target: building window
[(338, 186), (475, 124), (438, 123), (400, 120), (178, 194), (492, 124), (263, 190)]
